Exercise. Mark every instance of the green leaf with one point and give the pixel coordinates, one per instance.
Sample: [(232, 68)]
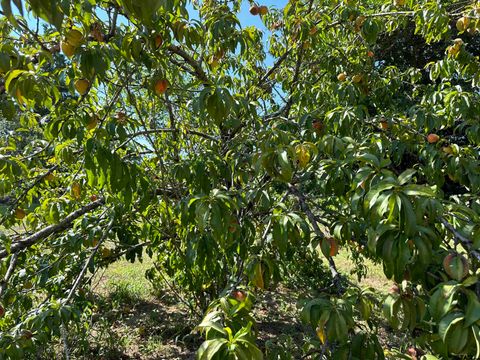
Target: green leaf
[(48, 10), (442, 299), (375, 191), (418, 190), (406, 176), (476, 336), (447, 322), (391, 306), (11, 76), (210, 347), (472, 312), (409, 218), (286, 171)]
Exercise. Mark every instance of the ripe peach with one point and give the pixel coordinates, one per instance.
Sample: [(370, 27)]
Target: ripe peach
[(394, 289), (239, 295), (161, 86), (433, 138), (158, 41), (263, 10)]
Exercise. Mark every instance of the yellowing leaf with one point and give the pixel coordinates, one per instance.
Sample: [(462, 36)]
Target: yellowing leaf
[(19, 96), (76, 190), (303, 155), (321, 334), (258, 277)]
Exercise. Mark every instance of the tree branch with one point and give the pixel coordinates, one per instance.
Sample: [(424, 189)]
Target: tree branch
[(173, 126), (14, 201), (113, 26), (168, 130), (468, 244), (9, 273), (85, 266), (275, 66), (52, 229), (311, 217), (35, 36), (191, 61)]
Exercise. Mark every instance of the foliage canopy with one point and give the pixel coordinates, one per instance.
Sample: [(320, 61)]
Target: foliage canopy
[(154, 128)]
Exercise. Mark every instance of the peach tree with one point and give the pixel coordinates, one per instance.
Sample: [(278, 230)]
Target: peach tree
[(236, 157)]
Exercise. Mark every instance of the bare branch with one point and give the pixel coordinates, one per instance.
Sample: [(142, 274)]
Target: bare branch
[(113, 26), (173, 125)]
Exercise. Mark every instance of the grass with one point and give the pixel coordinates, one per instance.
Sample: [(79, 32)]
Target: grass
[(144, 326), (374, 278), (127, 278)]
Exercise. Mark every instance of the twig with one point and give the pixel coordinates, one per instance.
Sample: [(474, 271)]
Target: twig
[(85, 266), (9, 273), (131, 248), (77, 282), (166, 130), (38, 179), (275, 66), (173, 125), (113, 26), (175, 292), (34, 35)]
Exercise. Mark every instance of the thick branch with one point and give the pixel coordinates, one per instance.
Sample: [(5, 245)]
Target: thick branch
[(191, 61), (52, 229)]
